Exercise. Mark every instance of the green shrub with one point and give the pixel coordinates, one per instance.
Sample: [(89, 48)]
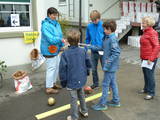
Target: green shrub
[(3, 66), (64, 25)]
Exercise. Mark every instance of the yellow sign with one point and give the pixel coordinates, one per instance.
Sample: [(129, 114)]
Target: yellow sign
[(30, 37)]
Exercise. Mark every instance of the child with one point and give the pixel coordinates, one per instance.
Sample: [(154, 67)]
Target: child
[(94, 36), (73, 68), (110, 65)]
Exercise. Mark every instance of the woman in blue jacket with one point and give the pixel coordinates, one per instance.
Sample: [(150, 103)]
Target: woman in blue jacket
[(51, 43)]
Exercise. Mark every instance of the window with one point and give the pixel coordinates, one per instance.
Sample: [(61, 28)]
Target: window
[(15, 15), (62, 2), (19, 12)]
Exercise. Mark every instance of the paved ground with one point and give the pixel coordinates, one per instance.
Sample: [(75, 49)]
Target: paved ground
[(27, 106), (130, 80)]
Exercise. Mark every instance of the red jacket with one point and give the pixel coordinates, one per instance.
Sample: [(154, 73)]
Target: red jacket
[(149, 44)]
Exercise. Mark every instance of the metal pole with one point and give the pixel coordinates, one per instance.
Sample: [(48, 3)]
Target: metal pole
[(80, 20)]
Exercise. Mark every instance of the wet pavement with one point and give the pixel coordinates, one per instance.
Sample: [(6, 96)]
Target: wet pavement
[(130, 80)]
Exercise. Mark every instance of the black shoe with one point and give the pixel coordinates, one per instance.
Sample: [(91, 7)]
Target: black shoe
[(148, 97), (94, 86)]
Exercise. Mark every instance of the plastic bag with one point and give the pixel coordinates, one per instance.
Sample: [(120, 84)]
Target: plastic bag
[(21, 81), (37, 59), (38, 62)]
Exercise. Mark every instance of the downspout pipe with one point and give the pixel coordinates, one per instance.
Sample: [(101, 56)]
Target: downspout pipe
[(80, 19)]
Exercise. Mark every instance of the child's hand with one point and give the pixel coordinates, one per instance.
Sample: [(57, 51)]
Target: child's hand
[(65, 41), (149, 62)]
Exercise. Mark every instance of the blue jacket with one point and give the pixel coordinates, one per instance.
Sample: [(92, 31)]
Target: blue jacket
[(95, 34), (73, 67), (111, 53), (51, 34)]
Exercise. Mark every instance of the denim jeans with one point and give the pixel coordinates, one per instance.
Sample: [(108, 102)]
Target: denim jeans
[(52, 69), (109, 82), (94, 60), (149, 80), (75, 95)]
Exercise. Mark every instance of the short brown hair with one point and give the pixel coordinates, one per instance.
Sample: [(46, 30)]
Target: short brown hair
[(73, 37), (110, 24), (52, 10), (95, 15)]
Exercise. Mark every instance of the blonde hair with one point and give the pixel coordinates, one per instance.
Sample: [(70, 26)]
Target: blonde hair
[(94, 15), (73, 37), (149, 21)]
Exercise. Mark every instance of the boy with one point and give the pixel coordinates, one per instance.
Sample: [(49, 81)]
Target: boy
[(110, 65), (94, 36), (73, 68)]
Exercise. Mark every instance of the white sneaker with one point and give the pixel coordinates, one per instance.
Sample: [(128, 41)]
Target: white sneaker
[(83, 114), (148, 97), (70, 118)]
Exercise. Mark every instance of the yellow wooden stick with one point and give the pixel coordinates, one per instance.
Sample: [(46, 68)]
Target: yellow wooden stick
[(63, 108)]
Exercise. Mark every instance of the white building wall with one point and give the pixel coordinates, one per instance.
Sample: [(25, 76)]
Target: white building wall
[(15, 52), (64, 10), (85, 11), (102, 5)]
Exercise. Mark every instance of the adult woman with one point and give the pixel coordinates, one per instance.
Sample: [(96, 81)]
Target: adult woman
[(149, 48), (51, 38)]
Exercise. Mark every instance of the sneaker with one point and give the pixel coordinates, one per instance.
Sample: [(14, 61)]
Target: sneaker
[(142, 92), (51, 91), (148, 97), (93, 106), (83, 114), (70, 118), (113, 104), (99, 107), (94, 86)]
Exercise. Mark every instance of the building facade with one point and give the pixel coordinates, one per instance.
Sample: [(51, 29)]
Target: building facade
[(19, 16)]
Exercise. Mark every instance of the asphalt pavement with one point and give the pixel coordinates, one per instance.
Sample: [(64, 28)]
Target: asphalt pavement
[(130, 80)]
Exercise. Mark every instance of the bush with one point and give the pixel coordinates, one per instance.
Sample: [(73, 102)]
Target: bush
[(64, 25), (3, 66)]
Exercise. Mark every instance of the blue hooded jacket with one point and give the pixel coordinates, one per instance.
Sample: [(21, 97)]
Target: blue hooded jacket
[(111, 53), (95, 34), (51, 34)]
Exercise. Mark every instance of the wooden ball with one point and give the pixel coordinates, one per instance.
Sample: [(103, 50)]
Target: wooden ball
[(51, 101)]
